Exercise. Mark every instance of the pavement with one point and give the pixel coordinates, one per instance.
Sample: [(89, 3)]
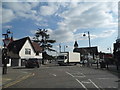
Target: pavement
[(111, 68), (13, 76)]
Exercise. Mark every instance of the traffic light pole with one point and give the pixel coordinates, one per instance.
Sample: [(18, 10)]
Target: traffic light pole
[(4, 60)]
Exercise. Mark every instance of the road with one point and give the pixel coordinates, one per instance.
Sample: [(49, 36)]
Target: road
[(68, 77)]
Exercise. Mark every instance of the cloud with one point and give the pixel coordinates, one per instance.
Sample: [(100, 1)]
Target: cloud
[(50, 9), (7, 15), (61, 36), (106, 33), (83, 16), (8, 26), (47, 10), (103, 34), (88, 15), (12, 10), (74, 16)]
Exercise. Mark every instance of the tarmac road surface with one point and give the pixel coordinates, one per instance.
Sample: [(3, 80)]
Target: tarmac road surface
[(67, 77)]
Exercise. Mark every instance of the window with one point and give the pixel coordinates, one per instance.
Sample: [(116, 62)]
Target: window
[(27, 51)]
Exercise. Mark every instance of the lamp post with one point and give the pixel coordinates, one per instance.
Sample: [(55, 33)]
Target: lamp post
[(88, 37), (89, 44)]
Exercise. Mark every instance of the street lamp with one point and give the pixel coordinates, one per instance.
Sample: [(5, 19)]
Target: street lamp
[(88, 37), (89, 43)]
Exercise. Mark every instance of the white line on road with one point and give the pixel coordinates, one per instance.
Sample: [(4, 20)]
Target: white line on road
[(86, 82), (77, 80), (94, 84), (81, 84), (82, 75), (70, 74), (54, 75), (105, 78)]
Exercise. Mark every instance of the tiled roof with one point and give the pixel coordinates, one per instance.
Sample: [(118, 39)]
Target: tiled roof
[(36, 47), (16, 45)]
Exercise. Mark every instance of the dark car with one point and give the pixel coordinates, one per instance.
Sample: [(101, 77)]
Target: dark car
[(31, 63)]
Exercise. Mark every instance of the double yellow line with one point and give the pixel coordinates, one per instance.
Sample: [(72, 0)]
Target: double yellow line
[(19, 80)]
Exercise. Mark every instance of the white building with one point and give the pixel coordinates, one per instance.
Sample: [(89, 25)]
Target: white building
[(21, 50)]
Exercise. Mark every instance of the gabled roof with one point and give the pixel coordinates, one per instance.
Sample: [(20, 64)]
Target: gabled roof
[(86, 50), (17, 45)]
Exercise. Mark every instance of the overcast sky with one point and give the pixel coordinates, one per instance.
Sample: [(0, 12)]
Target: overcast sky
[(65, 21)]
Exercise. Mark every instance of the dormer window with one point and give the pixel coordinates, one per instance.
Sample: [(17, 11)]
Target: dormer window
[(27, 51)]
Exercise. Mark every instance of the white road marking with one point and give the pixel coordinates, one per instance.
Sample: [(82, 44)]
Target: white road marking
[(86, 82), (94, 84), (101, 88), (77, 80), (25, 72), (81, 84), (82, 75), (54, 75), (70, 74), (105, 78)]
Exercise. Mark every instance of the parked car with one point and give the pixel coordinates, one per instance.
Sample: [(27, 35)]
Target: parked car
[(31, 63)]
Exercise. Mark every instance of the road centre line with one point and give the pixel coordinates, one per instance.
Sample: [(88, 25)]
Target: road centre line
[(94, 84)]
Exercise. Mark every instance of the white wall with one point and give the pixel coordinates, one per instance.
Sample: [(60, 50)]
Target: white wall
[(33, 54), (39, 56), (22, 51)]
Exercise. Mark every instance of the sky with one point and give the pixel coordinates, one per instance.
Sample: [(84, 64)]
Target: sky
[(66, 22)]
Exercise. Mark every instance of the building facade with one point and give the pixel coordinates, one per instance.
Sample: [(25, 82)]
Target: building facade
[(21, 50), (86, 52)]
